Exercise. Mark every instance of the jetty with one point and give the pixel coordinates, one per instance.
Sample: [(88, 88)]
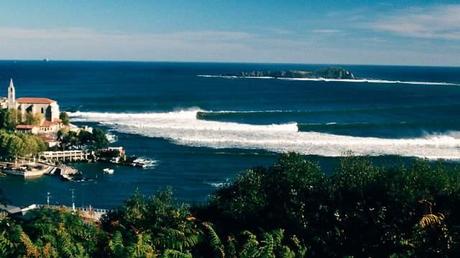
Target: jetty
[(68, 155), (26, 169)]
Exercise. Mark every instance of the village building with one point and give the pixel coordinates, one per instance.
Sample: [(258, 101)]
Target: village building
[(47, 108), (44, 108)]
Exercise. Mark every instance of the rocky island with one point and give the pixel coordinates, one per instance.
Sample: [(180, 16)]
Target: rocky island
[(325, 73)]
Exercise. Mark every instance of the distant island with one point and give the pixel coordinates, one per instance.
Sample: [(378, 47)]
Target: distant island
[(326, 73)]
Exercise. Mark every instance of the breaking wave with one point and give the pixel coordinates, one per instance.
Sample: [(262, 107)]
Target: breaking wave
[(184, 128), (218, 184), (112, 138), (333, 80), (366, 125)]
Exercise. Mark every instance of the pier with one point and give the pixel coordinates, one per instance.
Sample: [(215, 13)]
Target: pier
[(69, 155), (26, 169)]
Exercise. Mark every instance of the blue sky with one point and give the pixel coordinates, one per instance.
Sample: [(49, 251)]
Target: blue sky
[(340, 32)]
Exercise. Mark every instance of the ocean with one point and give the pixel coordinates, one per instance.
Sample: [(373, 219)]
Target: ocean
[(202, 129)]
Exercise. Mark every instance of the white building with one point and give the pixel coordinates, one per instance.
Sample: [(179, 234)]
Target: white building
[(47, 108)]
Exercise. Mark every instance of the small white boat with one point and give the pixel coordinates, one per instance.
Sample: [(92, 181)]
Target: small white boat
[(108, 171), (143, 163)]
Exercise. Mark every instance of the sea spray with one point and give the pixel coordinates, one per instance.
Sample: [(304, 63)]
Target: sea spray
[(333, 80), (184, 128)]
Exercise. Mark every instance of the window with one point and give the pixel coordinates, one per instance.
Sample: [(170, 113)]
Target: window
[(43, 110)]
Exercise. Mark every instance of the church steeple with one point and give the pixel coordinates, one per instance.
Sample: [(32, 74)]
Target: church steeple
[(11, 96)]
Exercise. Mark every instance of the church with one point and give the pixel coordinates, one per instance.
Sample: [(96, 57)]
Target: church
[(47, 109)]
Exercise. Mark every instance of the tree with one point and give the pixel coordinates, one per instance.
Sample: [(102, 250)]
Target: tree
[(154, 223), (142, 247), (116, 246), (289, 209), (62, 234), (33, 118), (99, 139), (14, 145), (8, 119), (92, 140), (64, 118)]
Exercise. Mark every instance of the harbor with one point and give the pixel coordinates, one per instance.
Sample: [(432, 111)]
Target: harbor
[(38, 139), (60, 163), (26, 169)]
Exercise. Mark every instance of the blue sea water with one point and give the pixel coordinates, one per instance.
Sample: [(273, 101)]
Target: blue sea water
[(201, 131)]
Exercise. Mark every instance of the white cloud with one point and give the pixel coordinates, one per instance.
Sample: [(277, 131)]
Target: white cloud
[(225, 46), (439, 22), (326, 31), (82, 43)]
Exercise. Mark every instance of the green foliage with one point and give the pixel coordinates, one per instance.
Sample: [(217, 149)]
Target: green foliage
[(291, 209), (156, 222), (50, 233), (68, 234), (14, 145), (64, 118), (116, 245), (8, 119), (360, 210), (243, 197), (95, 140), (99, 139), (33, 118)]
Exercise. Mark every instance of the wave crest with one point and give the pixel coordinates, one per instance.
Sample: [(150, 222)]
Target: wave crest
[(184, 128), (333, 80)]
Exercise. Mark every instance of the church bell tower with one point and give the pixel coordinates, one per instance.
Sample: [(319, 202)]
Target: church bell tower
[(11, 96)]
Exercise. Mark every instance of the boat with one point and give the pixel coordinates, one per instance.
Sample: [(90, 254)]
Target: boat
[(108, 171), (142, 163), (68, 173), (66, 177)]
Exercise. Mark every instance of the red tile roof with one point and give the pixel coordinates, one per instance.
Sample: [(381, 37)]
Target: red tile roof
[(47, 123), (25, 127), (34, 100)]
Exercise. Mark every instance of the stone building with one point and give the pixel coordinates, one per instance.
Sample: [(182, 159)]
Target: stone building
[(48, 109)]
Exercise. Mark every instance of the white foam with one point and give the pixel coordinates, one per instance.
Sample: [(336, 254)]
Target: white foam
[(371, 81), (216, 185), (147, 162), (183, 127), (112, 138), (335, 80)]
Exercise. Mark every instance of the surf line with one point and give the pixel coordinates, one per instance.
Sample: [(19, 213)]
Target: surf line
[(184, 128)]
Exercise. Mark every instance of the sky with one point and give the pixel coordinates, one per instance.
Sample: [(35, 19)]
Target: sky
[(403, 32)]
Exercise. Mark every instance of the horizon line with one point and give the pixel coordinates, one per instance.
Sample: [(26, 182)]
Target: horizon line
[(216, 62)]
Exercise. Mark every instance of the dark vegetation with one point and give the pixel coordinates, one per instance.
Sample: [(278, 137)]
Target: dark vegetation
[(291, 209), (8, 119), (12, 144), (83, 139), (327, 73), (64, 118)]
